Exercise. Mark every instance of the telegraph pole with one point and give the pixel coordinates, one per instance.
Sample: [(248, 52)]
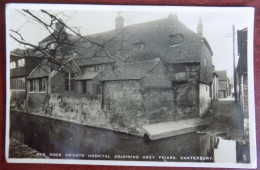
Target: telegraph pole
[(234, 65)]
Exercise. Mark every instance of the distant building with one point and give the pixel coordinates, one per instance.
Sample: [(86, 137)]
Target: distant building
[(215, 87), (223, 84)]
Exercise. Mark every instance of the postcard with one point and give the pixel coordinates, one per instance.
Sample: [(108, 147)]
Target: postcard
[(130, 85)]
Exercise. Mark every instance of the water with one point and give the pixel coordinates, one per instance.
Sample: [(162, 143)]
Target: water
[(61, 140)]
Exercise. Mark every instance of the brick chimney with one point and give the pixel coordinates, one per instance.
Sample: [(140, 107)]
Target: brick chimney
[(119, 24), (200, 28)]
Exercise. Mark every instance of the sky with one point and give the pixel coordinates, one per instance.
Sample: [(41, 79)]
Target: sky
[(217, 24)]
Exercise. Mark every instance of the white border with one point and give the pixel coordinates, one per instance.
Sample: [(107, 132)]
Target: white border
[(248, 10)]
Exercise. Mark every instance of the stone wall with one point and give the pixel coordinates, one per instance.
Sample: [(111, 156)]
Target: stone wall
[(186, 99), (158, 104), (185, 87), (18, 100), (128, 105), (204, 98)]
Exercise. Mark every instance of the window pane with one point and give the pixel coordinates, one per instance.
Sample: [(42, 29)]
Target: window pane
[(21, 63), (31, 85), (40, 84), (66, 84), (72, 85)]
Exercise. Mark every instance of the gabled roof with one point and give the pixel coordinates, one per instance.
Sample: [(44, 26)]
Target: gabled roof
[(52, 37), (42, 70), (132, 71), (93, 61), (222, 75), (47, 67), (22, 52)]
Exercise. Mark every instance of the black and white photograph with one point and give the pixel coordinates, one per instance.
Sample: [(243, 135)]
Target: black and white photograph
[(130, 85)]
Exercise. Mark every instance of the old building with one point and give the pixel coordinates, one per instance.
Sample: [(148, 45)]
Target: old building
[(223, 84), (139, 90), (22, 62), (241, 71), (149, 72), (186, 56)]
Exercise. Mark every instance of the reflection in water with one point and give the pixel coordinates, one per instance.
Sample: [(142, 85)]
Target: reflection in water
[(58, 139)]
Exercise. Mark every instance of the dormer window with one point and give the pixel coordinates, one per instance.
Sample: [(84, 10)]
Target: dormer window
[(138, 46), (175, 39)]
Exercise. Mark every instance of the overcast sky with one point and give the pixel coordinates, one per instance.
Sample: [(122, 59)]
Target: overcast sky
[(217, 24)]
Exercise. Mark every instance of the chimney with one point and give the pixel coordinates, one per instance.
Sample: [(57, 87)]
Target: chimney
[(200, 28), (173, 16), (59, 26), (119, 22)]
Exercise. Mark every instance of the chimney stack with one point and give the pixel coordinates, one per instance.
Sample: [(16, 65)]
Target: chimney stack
[(119, 22), (200, 28), (173, 16)]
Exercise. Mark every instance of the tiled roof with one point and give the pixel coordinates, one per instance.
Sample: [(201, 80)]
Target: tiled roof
[(22, 52), (93, 61), (51, 37), (155, 37), (46, 67), (222, 75), (88, 76), (42, 70), (132, 71)]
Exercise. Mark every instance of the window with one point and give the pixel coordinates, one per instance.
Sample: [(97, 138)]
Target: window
[(84, 87), (32, 85), (42, 84), (66, 77), (17, 83), (205, 62), (98, 89), (69, 81), (12, 65), (98, 68), (138, 47), (21, 62), (72, 81), (175, 39)]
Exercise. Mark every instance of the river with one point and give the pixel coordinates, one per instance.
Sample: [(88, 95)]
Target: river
[(62, 140)]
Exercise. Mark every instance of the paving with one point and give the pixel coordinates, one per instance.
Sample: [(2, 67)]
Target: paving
[(174, 128)]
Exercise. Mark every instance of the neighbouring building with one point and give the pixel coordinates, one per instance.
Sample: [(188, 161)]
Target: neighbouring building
[(47, 78), (22, 62), (242, 76), (215, 85), (223, 84)]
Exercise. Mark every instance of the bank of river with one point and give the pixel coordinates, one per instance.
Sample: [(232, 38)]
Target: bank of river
[(20, 150)]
